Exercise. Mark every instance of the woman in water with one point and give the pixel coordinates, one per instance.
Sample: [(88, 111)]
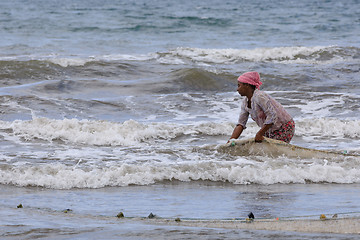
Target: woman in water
[(272, 118)]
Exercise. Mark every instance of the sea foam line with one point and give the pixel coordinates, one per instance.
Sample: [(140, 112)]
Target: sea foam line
[(96, 132), (296, 54), (60, 176), (181, 55), (128, 133)]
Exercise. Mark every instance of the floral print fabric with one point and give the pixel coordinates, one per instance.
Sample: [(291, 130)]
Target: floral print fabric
[(285, 133)]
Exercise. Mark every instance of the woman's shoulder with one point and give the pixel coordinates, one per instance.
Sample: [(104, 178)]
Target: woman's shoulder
[(258, 94)]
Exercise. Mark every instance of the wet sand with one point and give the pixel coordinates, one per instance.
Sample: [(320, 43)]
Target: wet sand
[(340, 226)]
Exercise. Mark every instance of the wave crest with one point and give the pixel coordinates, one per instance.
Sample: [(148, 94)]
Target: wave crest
[(128, 133), (300, 55), (91, 132), (242, 171)]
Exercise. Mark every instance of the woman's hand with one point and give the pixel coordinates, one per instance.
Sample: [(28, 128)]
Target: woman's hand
[(259, 137)]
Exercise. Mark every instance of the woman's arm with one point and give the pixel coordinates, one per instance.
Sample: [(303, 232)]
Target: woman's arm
[(237, 132), (259, 137)]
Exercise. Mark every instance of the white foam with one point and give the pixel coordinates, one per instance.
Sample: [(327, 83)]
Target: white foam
[(206, 57), (128, 57), (93, 132), (328, 127), (128, 133), (82, 60), (65, 62), (297, 54), (268, 171), (153, 158)]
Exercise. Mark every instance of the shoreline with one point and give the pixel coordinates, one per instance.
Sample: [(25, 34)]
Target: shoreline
[(336, 226), (195, 205)]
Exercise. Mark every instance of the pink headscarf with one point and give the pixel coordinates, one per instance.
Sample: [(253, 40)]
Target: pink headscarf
[(252, 78)]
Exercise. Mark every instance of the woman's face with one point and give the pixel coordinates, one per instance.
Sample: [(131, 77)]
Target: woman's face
[(242, 89)]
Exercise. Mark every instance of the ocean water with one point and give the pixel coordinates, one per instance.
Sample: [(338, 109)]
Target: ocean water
[(120, 105)]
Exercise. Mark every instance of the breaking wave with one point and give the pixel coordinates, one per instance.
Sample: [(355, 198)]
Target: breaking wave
[(128, 133), (240, 171), (183, 55)]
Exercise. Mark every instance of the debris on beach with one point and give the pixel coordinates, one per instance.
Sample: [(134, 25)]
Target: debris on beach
[(120, 215), (250, 217)]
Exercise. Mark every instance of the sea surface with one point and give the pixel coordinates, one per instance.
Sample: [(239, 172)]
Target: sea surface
[(109, 106)]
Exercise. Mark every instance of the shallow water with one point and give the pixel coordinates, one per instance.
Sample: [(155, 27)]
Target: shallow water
[(92, 213)]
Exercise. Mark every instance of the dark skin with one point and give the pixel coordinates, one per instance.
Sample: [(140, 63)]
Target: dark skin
[(248, 91)]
